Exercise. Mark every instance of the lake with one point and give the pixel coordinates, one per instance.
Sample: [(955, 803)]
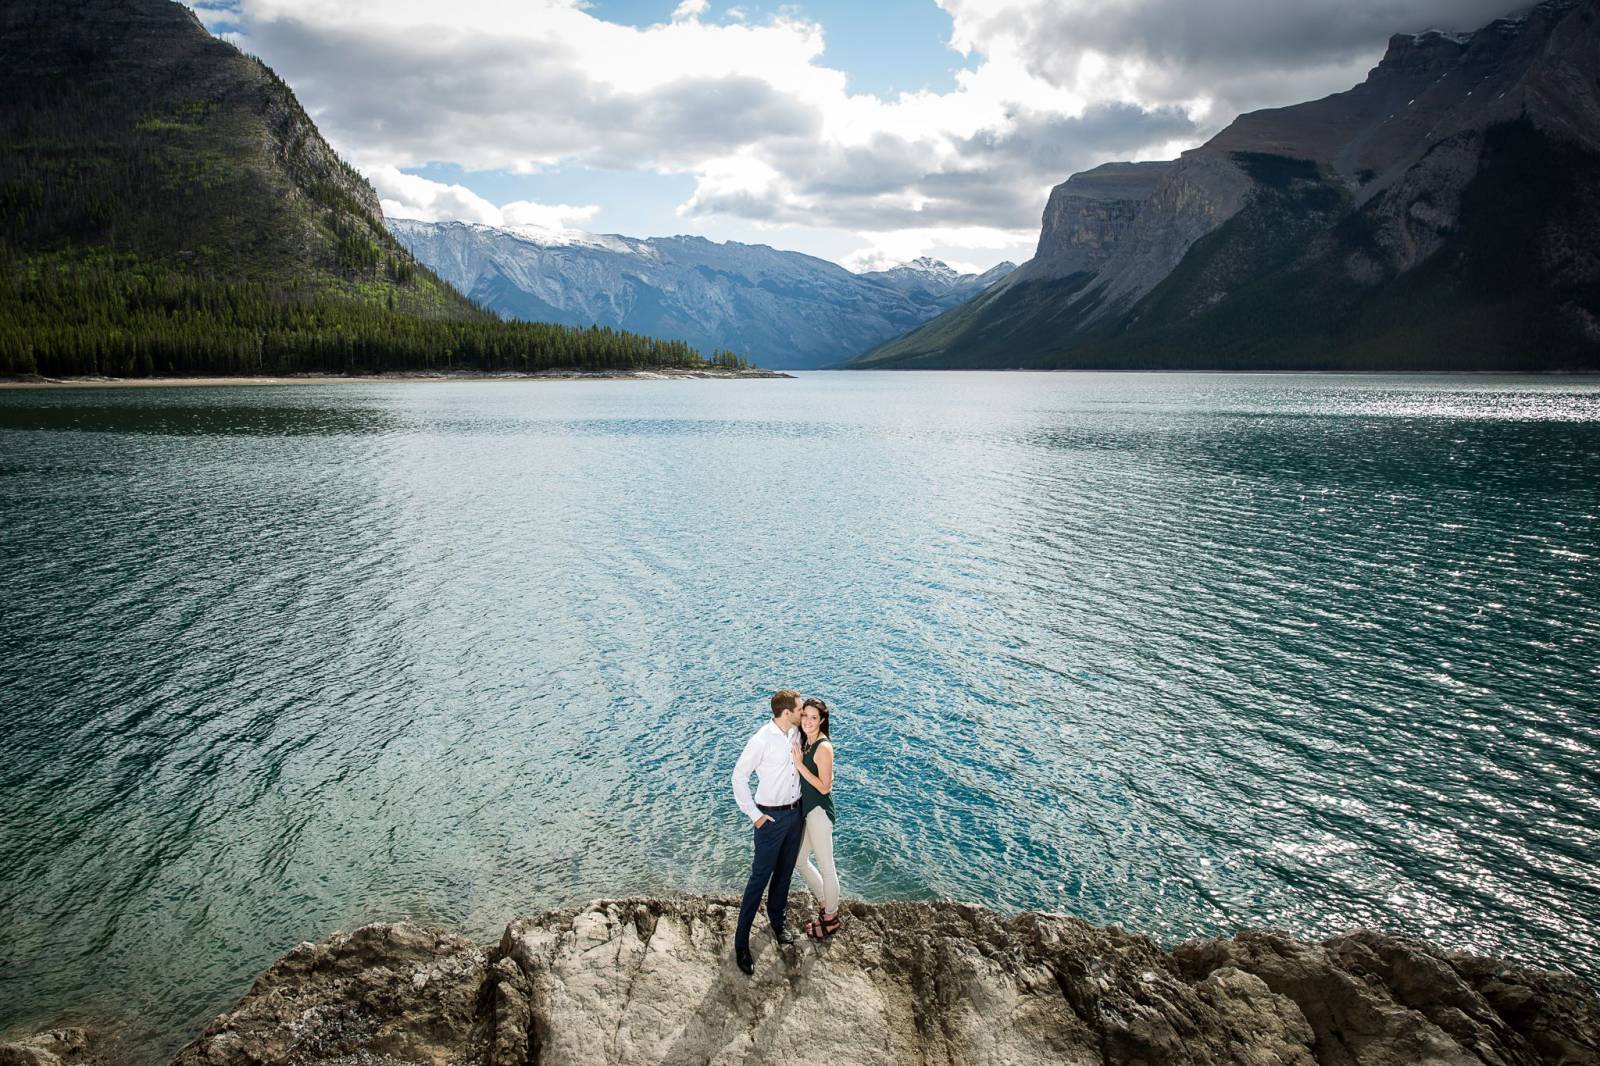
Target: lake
[(1186, 653)]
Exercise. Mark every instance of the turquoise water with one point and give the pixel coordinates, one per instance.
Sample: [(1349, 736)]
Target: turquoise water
[(1187, 653)]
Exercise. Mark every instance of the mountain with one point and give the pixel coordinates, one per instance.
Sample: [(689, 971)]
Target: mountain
[(783, 309), (1444, 214), (931, 282), (166, 206)]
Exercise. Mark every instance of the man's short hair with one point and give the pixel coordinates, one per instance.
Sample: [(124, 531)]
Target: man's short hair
[(785, 699)]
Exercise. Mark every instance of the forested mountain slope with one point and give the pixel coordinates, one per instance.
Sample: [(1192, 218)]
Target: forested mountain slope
[(166, 206)]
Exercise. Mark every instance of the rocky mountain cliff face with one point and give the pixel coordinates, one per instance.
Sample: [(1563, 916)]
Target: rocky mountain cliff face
[(652, 981), (1442, 214), (781, 309), (1089, 216)]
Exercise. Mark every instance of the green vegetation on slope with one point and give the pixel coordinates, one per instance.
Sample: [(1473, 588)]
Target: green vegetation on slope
[(998, 329), (166, 207)]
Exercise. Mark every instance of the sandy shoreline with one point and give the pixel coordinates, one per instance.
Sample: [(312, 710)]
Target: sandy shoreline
[(663, 374)]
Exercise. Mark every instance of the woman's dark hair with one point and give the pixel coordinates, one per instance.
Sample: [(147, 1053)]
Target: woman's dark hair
[(822, 716)]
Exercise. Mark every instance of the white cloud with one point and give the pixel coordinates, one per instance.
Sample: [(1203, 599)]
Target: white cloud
[(690, 9), (547, 216), (215, 14), (410, 196), (773, 137), (894, 247), (767, 132)]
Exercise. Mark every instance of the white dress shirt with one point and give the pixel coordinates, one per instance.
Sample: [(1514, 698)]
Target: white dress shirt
[(777, 781)]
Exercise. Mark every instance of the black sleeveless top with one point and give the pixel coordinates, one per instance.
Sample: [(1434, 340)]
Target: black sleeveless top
[(810, 798)]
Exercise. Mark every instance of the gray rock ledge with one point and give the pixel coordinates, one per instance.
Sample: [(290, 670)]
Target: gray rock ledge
[(653, 981)]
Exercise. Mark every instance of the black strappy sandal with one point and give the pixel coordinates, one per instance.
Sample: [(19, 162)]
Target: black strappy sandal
[(813, 928), (830, 926)]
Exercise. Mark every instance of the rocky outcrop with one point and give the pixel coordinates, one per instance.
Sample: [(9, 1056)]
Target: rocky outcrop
[(1200, 192), (1088, 216), (1437, 216), (653, 981), (1120, 228), (61, 1046)]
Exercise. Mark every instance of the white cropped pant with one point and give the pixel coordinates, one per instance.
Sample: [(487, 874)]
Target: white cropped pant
[(822, 878)]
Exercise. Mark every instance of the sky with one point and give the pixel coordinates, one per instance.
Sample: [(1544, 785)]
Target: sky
[(867, 132)]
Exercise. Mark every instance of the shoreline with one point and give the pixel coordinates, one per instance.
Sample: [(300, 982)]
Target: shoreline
[(652, 374), (693, 374)]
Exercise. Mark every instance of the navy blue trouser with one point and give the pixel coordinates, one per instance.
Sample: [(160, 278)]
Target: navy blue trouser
[(777, 850)]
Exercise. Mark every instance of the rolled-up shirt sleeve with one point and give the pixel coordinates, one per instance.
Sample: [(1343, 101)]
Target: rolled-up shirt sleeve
[(748, 760)]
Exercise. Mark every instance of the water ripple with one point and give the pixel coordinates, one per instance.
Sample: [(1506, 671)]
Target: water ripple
[(1186, 653)]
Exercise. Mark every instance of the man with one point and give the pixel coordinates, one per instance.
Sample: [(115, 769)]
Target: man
[(775, 810)]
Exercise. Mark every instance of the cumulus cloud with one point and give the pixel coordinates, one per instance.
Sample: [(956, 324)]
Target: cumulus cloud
[(773, 137), (498, 84), (992, 178), (410, 196), (769, 134), (893, 247), (527, 213)]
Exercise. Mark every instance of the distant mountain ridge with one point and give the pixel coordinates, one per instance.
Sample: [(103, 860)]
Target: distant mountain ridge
[(782, 309), (1444, 214), (934, 280)]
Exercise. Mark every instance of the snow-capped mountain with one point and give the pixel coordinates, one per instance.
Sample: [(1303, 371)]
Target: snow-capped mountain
[(784, 310), (934, 280)]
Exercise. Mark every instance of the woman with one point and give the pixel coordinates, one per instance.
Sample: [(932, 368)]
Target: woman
[(813, 757)]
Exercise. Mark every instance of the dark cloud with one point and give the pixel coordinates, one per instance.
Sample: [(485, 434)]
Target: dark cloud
[(1243, 53), (1049, 143), (885, 164), (998, 177), (690, 119), (1254, 35)]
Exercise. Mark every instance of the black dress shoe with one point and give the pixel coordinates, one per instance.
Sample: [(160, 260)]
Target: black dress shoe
[(746, 963), (784, 936)]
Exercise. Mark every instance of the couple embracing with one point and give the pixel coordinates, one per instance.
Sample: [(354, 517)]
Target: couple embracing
[(792, 809)]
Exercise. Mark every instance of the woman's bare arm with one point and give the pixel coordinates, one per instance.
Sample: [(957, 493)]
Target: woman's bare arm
[(822, 780), (825, 767)]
